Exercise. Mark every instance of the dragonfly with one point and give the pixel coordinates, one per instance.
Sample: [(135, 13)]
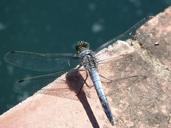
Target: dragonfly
[(84, 56)]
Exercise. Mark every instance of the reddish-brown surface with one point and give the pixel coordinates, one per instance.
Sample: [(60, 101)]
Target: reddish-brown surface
[(139, 93)]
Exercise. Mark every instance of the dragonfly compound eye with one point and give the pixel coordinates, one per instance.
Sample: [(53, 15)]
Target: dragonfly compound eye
[(81, 45)]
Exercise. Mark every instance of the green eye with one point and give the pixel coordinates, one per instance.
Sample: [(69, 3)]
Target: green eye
[(81, 45)]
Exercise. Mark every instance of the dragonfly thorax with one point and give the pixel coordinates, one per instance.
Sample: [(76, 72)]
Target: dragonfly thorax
[(88, 59)]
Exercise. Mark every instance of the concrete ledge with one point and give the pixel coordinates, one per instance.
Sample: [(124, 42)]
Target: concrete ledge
[(139, 93)]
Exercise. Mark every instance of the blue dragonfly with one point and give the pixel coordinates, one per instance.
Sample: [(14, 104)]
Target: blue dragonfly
[(84, 56)]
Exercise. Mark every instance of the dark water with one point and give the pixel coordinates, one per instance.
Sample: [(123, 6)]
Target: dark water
[(55, 26)]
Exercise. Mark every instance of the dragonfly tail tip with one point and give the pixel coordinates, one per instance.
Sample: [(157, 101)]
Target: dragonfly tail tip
[(112, 122)]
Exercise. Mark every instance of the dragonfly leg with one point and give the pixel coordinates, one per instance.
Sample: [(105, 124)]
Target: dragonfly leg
[(90, 86), (78, 68), (84, 81), (106, 78)]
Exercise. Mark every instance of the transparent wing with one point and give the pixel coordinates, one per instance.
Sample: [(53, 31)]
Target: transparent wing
[(74, 86), (127, 34), (31, 84), (71, 86), (43, 62)]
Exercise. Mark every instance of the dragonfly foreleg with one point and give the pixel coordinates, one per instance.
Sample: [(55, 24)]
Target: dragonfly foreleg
[(84, 81), (89, 86)]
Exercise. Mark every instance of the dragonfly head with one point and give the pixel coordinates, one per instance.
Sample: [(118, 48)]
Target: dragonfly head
[(81, 46)]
